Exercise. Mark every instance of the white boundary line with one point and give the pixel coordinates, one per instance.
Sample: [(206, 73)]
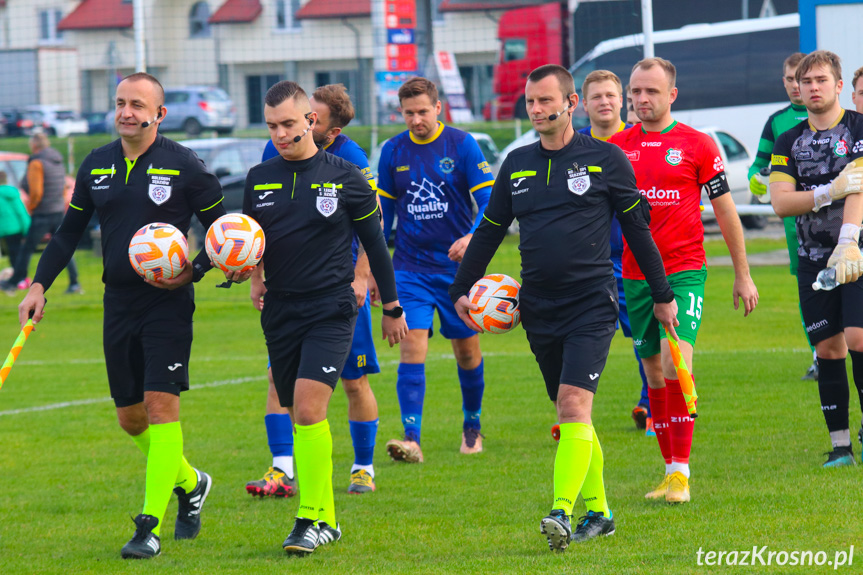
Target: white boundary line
[(52, 406), (236, 381)]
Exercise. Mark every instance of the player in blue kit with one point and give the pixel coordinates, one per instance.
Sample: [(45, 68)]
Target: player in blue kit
[(427, 177), (335, 111)]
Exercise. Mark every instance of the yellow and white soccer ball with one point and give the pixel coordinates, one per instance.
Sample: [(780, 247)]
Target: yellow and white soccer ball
[(496, 295), (158, 251), (235, 242)]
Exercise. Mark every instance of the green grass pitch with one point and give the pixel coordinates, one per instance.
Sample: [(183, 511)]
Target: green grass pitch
[(70, 478)]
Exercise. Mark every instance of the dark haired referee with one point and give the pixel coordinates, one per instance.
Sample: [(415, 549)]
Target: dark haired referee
[(564, 190), (139, 179), (309, 203)]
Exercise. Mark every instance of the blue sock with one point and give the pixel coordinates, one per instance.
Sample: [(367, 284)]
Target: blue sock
[(644, 401), (472, 388), (363, 434), (411, 389), (280, 434)]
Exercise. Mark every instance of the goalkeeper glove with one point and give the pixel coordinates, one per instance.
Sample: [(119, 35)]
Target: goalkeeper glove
[(758, 184), (846, 258), (849, 181)]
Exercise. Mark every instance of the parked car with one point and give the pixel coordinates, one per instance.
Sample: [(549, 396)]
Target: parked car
[(196, 108), (230, 160), (17, 123), (99, 122), (734, 154), (484, 141), (57, 121)]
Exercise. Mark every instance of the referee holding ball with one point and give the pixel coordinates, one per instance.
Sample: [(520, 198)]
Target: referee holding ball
[(139, 179), (309, 203)]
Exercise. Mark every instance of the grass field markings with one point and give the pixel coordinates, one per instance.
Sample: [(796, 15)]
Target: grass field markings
[(77, 402), (40, 362)]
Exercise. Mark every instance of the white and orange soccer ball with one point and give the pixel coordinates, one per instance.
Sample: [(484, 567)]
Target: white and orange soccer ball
[(235, 242), (158, 251), (496, 295)]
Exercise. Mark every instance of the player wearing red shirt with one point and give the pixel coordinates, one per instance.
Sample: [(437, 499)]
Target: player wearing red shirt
[(672, 163)]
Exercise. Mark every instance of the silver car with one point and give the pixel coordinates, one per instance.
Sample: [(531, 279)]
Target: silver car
[(193, 109)]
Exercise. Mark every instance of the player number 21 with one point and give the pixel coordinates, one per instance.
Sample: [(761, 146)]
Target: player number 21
[(694, 307)]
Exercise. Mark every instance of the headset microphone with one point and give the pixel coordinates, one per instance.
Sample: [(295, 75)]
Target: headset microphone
[(300, 137), (147, 124), (557, 115)]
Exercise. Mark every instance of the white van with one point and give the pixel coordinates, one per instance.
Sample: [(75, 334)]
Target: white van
[(729, 74)]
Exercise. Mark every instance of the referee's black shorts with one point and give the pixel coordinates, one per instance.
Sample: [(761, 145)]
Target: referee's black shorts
[(570, 336), (826, 313), (308, 337), (147, 338)]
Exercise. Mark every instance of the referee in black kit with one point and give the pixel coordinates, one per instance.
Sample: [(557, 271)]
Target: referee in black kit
[(139, 179), (309, 203), (563, 190)]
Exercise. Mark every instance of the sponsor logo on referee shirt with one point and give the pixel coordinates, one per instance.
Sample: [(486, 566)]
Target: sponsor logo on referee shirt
[(159, 194)]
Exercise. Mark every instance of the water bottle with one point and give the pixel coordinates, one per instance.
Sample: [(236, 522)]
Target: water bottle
[(765, 172), (826, 280)]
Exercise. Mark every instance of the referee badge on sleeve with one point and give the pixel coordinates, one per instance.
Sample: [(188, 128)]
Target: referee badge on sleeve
[(327, 201)]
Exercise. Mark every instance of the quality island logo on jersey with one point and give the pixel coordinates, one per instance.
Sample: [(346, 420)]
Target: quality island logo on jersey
[(427, 201), (674, 156)]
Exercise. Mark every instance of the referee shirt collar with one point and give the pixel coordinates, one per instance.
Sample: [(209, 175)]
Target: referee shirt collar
[(303, 165)]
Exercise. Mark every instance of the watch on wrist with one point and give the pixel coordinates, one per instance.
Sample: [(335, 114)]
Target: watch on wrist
[(396, 312)]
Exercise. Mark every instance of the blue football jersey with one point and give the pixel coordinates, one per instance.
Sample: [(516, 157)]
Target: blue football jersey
[(347, 149), (431, 182)]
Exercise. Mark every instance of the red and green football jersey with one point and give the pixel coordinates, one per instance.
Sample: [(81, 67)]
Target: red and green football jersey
[(670, 169)]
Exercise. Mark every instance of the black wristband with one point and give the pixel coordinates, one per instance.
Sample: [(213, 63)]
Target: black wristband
[(198, 272)]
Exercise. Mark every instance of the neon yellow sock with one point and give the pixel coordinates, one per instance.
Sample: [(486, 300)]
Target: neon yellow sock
[(186, 477), (593, 490), (142, 441), (313, 455), (571, 463), (327, 510), (163, 462)]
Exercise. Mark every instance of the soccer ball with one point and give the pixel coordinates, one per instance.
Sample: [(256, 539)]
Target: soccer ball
[(497, 298), (158, 251), (235, 242)]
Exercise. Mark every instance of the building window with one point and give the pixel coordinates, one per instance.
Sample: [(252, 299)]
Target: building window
[(48, 20), (198, 16), (285, 10), (256, 89)]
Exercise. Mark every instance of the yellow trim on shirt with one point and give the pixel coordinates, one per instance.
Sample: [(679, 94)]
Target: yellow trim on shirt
[(482, 185), (431, 139)]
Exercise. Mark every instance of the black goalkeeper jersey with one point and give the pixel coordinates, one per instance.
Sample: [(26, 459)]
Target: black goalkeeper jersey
[(168, 183), (807, 158)]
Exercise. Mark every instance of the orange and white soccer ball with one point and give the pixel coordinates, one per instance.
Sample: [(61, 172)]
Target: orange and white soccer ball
[(496, 295), (235, 242), (158, 251)]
